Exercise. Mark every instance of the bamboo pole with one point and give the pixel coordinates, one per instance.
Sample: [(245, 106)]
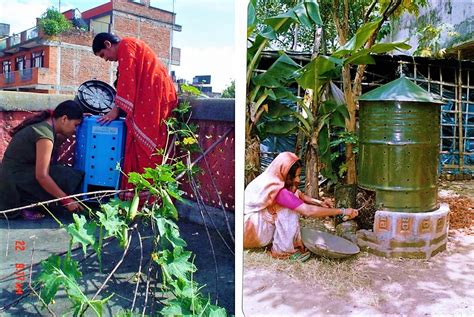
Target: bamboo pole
[(461, 139)]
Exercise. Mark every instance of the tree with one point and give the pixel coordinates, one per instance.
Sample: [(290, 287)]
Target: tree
[(322, 113), (53, 22), (342, 21), (229, 91), (271, 85), (379, 12)]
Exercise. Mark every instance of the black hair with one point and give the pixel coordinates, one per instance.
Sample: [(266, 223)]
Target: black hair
[(98, 42), (69, 108), (292, 173)]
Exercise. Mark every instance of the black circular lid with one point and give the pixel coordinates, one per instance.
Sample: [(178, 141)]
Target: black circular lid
[(96, 97)]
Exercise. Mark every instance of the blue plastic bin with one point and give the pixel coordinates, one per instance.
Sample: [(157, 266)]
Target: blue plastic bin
[(98, 150)]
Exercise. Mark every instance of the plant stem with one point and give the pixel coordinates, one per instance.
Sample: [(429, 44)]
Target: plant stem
[(139, 269)]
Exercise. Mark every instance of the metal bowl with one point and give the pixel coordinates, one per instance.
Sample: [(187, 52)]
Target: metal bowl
[(327, 245)]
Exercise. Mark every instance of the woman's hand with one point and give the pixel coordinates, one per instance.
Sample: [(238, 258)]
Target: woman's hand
[(110, 116), (74, 207), (350, 213), (71, 205)]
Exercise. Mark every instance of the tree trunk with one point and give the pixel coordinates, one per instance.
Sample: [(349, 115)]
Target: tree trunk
[(351, 176), (311, 157), (312, 172), (252, 158)]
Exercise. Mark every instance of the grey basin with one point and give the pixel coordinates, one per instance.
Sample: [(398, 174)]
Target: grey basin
[(327, 245)]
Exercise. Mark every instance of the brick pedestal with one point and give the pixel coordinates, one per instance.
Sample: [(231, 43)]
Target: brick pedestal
[(407, 235)]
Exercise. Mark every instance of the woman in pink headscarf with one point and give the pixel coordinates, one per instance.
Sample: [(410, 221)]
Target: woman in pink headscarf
[(273, 206)]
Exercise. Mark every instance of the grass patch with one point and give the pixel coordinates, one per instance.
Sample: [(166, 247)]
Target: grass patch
[(335, 276)]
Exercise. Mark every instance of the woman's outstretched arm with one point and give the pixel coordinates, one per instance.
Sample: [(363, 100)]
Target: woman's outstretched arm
[(44, 149), (316, 211)]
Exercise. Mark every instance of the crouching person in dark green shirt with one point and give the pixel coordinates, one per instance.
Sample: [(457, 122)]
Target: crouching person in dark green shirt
[(27, 175)]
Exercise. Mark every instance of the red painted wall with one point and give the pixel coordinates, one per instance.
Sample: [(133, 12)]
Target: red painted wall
[(221, 160)]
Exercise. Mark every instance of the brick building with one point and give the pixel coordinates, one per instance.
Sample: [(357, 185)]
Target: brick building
[(31, 61)]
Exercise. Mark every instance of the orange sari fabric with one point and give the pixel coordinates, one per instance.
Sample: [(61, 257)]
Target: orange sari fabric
[(147, 94)]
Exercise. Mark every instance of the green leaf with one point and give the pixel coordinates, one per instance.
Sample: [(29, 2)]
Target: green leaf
[(251, 17), (110, 220), (278, 74), (318, 72), (81, 231), (323, 140), (97, 305), (342, 109), (387, 47), (280, 127), (361, 60), (70, 268), (361, 37), (50, 279), (312, 9), (277, 110), (327, 170), (170, 232), (176, 307), (176, 263), (55, 273), (305, 13), (327, 107), (284, 93), (216, 311), (268, 33), (337, 119), (184, 288), (174, 191), (282, 22)]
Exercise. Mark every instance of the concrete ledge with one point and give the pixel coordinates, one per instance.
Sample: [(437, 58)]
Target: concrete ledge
[(209, 216), (214, 109), (29, 101), (407, 235)]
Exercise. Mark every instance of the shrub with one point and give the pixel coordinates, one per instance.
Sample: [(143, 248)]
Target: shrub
[(53, 22)]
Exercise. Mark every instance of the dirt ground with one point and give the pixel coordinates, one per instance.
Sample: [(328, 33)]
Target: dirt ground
[(368, 285)]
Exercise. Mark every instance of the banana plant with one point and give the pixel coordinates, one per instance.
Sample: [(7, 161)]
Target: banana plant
[(272, 84), (316, 76)]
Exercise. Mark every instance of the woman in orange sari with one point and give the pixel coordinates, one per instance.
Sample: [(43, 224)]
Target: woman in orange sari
[(145, 92), (273, 206)]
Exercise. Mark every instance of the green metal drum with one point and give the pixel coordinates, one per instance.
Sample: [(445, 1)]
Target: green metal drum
[(399, 138)]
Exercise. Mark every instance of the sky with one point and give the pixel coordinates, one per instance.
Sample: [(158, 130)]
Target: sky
[(206, 40)]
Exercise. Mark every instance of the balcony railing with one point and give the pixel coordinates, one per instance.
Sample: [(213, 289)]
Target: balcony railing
[(14, 39), (26, 74), (9, 78), (31, 33)]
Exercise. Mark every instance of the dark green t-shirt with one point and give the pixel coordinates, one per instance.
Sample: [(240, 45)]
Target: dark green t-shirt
[(22, 147), (18, 184)]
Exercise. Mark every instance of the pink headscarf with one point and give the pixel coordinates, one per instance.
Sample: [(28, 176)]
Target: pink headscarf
[(261, 192)]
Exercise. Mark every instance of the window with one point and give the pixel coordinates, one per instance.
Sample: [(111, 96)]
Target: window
[(20, 63), (6, 66), (37, 59)]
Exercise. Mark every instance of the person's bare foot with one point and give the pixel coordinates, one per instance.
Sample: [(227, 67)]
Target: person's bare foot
[(31, 214)]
